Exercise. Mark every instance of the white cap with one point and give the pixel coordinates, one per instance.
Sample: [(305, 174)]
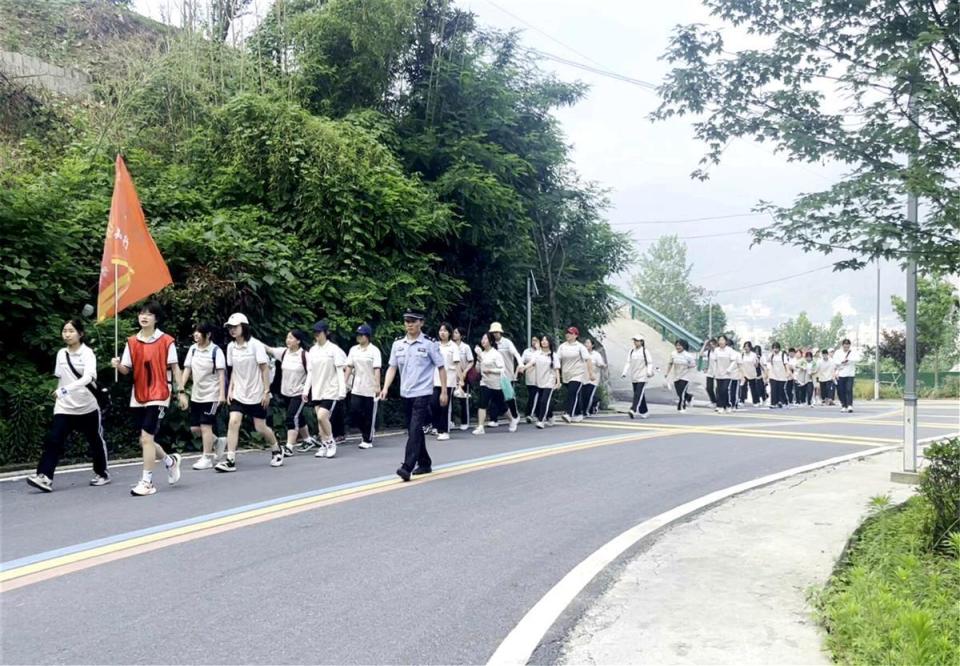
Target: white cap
[(496, 327), (236, 319), (637, 337)]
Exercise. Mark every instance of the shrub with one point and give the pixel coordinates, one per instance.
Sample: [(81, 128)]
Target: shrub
[(940, 485)]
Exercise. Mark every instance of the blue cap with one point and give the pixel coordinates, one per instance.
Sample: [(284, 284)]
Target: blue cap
[(321, 327), (364, 329)]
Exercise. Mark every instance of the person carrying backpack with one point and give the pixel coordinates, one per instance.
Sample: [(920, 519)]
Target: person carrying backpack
[(288, 386)]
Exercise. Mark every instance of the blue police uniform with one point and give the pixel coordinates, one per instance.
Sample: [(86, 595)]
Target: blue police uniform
[(416, 360)]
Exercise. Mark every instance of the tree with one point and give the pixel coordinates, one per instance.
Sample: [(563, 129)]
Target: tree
[(893, 346), (938, 313), (832, 82), (801, 332)]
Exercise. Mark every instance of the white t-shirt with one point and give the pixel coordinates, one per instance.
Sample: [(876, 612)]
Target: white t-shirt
[(801, 372), (546, 369), (491, 367), (79, 399), (825, 369), (510, 356), (246, 379), (684, 365), (450, 351), (127, 361), (573, 361), (636, 366), (598, 363), (364, 362), (846, 362), (748, 365), (204, 362), (293, 376), (726, 359), (530, 374), (777, 364), (466, 354), (710, 368), (325, 371)]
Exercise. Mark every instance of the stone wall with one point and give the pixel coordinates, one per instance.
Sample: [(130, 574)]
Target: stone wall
[(21, 69)]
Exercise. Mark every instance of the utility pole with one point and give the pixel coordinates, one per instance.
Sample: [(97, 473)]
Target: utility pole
[(910, 378), (532, 290), (709, 314), (876, 353)]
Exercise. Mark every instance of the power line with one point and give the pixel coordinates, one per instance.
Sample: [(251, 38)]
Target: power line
[(724, 233), (686, 220), (781, 279), (548, 36), (593, 70)]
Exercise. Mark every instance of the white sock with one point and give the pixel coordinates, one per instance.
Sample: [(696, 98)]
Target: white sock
[(168, 461), (147, 476)]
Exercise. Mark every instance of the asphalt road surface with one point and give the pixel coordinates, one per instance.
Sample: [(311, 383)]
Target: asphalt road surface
[(336, 561)]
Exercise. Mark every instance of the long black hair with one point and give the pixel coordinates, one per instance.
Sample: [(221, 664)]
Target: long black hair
[(77, 324), (551, 344)]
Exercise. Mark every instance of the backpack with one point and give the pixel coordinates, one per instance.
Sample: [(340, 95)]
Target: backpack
[(150, 381)]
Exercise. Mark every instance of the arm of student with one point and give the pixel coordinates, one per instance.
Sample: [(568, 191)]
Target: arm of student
[(265, 378), (88, 375)]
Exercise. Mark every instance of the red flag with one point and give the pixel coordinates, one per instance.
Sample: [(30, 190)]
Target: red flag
[(131, 262)]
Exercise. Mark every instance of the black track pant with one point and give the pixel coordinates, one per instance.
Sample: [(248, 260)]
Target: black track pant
[(639, 403), (683, 398), (723, 393), (791, 391), (442, 415), (533, 396), (573, 398), (338, 422), (756, 390), (845, 391), (711, 390), (416, 412), (827, 390), (363, 413), (590, 398), (63, 424), (778, 393), (544, 404)]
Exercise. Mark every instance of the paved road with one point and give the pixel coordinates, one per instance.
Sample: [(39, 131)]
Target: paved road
[(435, 571)]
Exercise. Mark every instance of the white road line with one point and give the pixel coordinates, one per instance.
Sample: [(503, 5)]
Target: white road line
[(519, 645)]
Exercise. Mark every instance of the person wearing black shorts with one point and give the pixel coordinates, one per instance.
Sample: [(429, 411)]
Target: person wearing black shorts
[(205, 363)]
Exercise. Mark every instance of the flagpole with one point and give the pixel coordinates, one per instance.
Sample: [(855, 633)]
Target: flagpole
[(116, 319)]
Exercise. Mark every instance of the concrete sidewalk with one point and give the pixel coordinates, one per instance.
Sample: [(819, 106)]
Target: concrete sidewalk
[(730, 586)]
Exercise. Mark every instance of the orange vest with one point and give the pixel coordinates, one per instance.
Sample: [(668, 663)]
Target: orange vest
[(150, 368)]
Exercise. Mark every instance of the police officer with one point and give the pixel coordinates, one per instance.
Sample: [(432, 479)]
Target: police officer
[(416, 356)]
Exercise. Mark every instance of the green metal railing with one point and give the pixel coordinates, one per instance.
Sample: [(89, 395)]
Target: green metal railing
[(666, 327)]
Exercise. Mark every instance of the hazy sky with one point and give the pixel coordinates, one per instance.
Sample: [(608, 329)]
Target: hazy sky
[(646, 166)]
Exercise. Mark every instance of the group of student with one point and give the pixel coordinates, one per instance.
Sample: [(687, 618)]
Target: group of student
[(302, 374), (778, 379)]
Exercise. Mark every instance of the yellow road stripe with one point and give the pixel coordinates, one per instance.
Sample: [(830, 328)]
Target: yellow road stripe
[(37, 571), (726, 430)]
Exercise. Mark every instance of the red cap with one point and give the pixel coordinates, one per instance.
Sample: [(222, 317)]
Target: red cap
[(574, 330)]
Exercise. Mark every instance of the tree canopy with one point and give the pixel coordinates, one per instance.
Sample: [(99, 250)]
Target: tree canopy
[(864, 84), (801, 332)]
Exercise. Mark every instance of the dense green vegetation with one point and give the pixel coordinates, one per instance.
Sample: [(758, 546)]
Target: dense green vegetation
[(353, 158), (895, 597)]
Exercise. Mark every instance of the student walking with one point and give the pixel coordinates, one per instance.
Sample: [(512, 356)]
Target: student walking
[(826, 369), (450, 351), (804, 379), (288, 386), (461, 391), (151, 355), (546, 365), (511, 358), (761, 374), (75, 409), (725, 372), (248, 391), (749, 361), (845, 360), (592, 402), (364, 362), (791, 386), (205, 363), (682, 365), (415, 356), (326, 385), (492, 371), (710, 368), (778, 370), (639, 367), (528, 367), (576, 367)]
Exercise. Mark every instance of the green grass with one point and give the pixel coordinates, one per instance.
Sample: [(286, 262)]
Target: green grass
[(892, 600)]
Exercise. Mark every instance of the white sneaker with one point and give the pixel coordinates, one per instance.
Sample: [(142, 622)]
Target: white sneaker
[(219, 448), (464, 427), (552, 421), (173, 471), (719, 410), (98, 480), (642, 416), (541, 425), (321, 450), (529, 419), (331, 449), (631, 413), (203, 462), (365, 445), (276, 460), (443, 436), (41, 482), (479, 431), (578, 418), (143, 488), (493, 424), (513, 424), (566, 418)]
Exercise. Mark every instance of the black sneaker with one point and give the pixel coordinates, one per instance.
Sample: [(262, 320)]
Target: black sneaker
[(227, 465), (422, 470), (403, 474)]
